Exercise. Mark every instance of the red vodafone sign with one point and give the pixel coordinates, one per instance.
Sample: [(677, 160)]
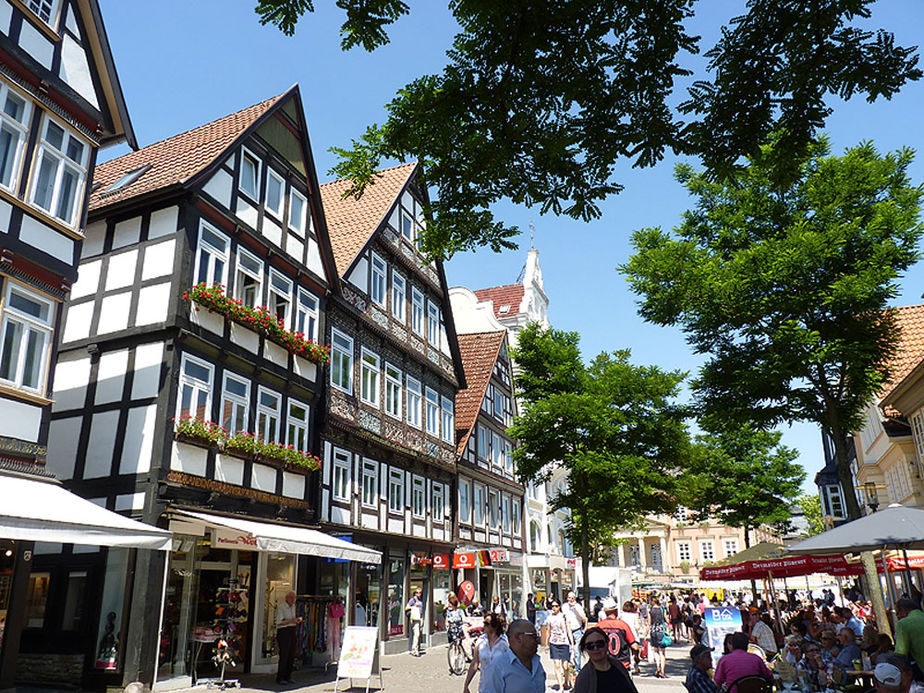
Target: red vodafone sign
[(441, 561), (466, 592), (463, 560)]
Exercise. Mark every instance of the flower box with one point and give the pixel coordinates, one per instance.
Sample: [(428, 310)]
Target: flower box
[(258, 319)]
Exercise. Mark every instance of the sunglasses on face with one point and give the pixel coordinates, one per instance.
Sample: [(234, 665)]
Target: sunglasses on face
[(595, 645)]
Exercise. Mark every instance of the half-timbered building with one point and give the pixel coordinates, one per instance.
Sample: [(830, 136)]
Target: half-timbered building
[(188, 390), (489, 512), (389, 436), (60, 102)]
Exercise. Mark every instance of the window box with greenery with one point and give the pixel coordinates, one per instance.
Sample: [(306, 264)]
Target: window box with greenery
[(685, 567), (197, 431), (258, 319), (248, 445)]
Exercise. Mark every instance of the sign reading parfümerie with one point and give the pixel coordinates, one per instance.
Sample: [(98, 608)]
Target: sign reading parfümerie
[(357, 655)]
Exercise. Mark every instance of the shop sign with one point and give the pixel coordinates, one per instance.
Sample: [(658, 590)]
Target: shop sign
[(421, 559), (471, 559), (441, 561), (499, 556), (227, 538), (466, 592), (572, 563), (396, 630)]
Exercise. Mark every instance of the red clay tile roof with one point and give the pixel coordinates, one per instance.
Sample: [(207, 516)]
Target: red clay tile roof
[(910, 352), (350, 222), (174, 160), (509, 295), (479, 354)]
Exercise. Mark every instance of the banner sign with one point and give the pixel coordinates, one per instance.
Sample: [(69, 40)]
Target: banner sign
[(499, 556), (358, 652), (230, 539), (791, 566), (719, 622), (441, 561), (466, 592)]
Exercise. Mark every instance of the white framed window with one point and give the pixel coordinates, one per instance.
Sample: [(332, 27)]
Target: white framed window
[(433, 413), (235, 403), (413, 401), (306, 316), (684, 551), (465, 501), (396, 490), (436, 503), (493, 509), (195, 388), (835, 501), (417, 311), (487, 403), (731, 546), (433, 323), (298, 211), (269, 413), (341, 361), (407, 225), (499, 403), (515, 517), (297, 425), (341, 475), (497, 449), (377, 280), (212, 255), (25, 338), (449, 419), (248, 278), (398, 295), (706, 550), (392, 391), (508, 457), (370, 483), (478, 505), (280, 297), (46, 10), (369, 377), (249, 181), (505, 513), (60, 172), (418, 499), (275, 193), (682, 514), (15, 111), (484, 443)]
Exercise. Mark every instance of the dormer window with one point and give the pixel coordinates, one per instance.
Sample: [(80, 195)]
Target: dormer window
[(503, 310)]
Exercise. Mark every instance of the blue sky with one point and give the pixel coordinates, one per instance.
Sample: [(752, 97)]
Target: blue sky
[(185, 63)]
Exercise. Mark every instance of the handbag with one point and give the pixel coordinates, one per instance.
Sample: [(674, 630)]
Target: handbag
[(666, 640)]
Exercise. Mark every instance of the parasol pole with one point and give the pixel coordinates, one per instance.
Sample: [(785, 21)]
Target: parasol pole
[(907, 574), (773, 600), (890, 582)]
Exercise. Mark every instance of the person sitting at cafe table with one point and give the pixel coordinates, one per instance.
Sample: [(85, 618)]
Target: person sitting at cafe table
[(829, 647), (815, 667), (849, 650), (762, 634), (794, 653), (892, 674), (739, 662)]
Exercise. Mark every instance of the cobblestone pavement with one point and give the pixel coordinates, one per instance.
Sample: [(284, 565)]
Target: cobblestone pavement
[(430, 674)]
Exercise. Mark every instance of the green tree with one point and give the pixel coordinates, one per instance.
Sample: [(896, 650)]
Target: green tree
[(744, 477), (614, 428), (784, 286), (810, 504), (539, 101)]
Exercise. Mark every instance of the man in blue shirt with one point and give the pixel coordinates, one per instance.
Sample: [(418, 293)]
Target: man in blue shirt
[(851, 621), (698, 680), (849, 650), (518, 670)]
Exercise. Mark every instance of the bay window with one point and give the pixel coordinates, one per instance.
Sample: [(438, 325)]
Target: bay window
[(60, 172), (25, 338)]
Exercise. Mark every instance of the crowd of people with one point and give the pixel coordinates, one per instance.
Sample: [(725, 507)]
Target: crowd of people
[(809, 643)]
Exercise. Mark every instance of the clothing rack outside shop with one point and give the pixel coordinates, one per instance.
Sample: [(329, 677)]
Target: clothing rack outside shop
[(312, 635)]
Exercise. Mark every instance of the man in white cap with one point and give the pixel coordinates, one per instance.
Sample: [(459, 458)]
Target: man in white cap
[(892, 674), (622, 640)]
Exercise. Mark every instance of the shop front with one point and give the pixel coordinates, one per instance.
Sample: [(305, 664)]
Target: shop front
[(508, 576), (52, 628), (225, 580), (561, 576)]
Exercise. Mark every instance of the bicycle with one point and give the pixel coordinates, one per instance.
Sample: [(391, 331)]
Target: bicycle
[(461, 652)]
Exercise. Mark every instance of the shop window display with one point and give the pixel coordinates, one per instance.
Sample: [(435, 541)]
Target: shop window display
[(107, 637), (37, 599), (441, 591), (368, 595), (396, 596)]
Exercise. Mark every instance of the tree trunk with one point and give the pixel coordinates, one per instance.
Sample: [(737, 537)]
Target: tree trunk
[(873, 587), (585, 564)]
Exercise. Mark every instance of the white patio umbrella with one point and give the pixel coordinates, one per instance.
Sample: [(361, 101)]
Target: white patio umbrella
[(894, 527)]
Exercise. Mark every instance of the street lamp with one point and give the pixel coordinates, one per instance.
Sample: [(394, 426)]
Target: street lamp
[(872, 496)]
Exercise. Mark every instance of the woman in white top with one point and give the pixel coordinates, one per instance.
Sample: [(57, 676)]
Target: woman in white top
[(487, 648), (561, 640), (630, 617)]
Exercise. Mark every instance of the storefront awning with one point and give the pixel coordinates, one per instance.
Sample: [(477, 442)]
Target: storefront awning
[(38, 509), (268, 536)]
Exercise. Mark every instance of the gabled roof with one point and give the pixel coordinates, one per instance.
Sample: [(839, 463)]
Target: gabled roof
[(351, 222), (479, 354), (509, 295), (176, 160), (910, 351)]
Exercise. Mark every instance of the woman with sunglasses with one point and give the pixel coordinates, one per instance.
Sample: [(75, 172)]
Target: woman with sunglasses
[(606, 674), (492, 643)]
